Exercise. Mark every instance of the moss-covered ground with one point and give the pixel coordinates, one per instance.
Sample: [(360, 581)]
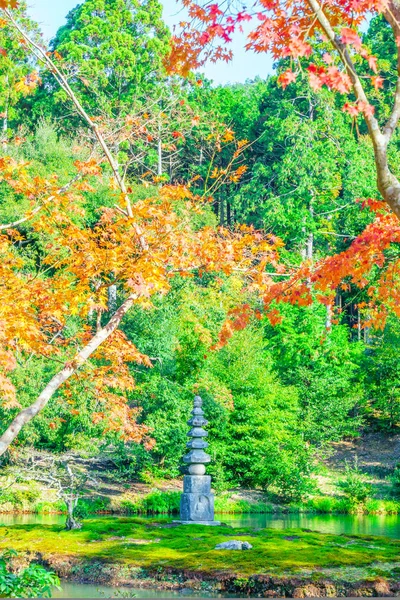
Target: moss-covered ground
[(153, 546)]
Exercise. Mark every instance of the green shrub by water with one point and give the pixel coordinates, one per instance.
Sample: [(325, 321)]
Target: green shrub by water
[(332, 505), (168, 502), (227, 505), (354, 486), (18, 499), (155, 503)]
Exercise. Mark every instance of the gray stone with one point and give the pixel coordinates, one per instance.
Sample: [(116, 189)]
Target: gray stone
[(197, 469), (197, 443), (197, 432), (234, 545), (208, 523), (197, 456), (200, 484), (197, 507), (197, 422)]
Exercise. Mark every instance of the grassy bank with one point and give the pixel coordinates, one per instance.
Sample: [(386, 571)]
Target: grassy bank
[(125, 550), (167, 502)]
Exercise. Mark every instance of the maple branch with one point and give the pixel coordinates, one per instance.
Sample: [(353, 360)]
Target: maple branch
[(359, 91), (388, 184), (43, 56), (27, 414), (392, 16), (34, 212)]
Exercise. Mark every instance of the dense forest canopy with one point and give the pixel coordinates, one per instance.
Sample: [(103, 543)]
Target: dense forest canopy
[(161, 236)]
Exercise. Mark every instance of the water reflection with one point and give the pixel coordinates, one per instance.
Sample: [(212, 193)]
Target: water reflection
[(388, 525), (83, 590)]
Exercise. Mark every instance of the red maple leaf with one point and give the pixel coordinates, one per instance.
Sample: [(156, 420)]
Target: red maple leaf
[(349, 36), (286, 78)]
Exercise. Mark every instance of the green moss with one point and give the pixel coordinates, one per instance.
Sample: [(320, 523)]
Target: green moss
[(153, 546)]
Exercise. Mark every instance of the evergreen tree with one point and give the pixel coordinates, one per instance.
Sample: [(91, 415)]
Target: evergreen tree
[(113, 50), (17, 78)]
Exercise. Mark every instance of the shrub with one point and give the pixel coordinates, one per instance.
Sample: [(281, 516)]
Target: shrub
[(287, 469), (322, 504), (19, 498), (392, 507), (395, 479), (354, 486), (374, 506), (161, 502), (45, 508), (32, 582)]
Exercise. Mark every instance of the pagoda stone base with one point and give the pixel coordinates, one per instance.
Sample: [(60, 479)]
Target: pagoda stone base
[(208, 523), (197, 501), (197, 484)]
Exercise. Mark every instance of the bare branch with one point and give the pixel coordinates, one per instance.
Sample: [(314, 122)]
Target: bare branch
[(44, 57), (359, 91), (34, 212), (388, 184), (392, 16)]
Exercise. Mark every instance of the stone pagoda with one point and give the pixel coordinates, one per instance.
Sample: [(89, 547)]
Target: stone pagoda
[(197, 501)]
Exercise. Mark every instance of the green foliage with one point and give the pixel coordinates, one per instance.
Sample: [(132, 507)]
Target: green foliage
[(395, 479), (326, 369), (32, 582), (383, 367), (155, 503), (19, 499), (273, 395), (354, 486), (255, 433), (15, 65), (116, 49), (225, 504)]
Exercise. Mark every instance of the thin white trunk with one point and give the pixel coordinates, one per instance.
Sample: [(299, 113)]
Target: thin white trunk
[(328, 321), (160, 157), (27, 414), (112, 299), (5, 118)]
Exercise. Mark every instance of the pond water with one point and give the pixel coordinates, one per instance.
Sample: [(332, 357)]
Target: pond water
[(83, 590), (388, 525)]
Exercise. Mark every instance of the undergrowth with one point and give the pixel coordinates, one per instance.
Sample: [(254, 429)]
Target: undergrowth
[(167, 502)]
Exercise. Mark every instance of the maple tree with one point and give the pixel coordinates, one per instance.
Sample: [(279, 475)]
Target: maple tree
[(136, 246), (324, 43)]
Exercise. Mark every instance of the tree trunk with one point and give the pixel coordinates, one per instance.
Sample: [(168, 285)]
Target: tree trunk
[(5, 119), (112, 299), (159, 151), (221, 212), (228, 214), (328, 321), (71, 522), (27, 414)]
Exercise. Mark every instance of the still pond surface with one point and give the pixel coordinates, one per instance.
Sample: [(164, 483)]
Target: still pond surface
[(388, 525)]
